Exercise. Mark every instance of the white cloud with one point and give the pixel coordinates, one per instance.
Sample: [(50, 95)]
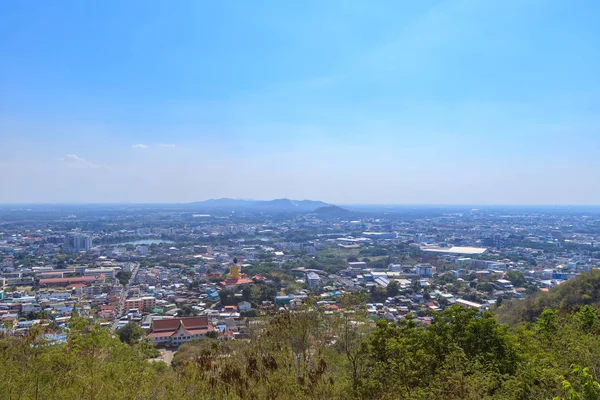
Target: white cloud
[(140, 146), (74, 161), (74, 157)]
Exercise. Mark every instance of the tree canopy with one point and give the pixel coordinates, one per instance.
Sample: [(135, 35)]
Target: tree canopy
[(307, 354), (130, 333)]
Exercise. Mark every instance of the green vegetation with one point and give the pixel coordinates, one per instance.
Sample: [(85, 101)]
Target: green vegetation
[(517, 278), (186, 311), (252, 313), (131, 333), (148, 349), (567, 297), (306, 354), (123, 277), (373, 252), (585, 388)]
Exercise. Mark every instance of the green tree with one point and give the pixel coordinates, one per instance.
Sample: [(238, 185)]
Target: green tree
[(499, 301), (443, 302), (131, 333), (378, 294), (587, 318), (307, 354), (485, 287), (226, 297), (148, 349), (351, 330), (212, 335), (532, 289), (517, 278), (585, 387), (247, 293), (187, 311), (393, 289), (252, 313), (397, 361), (547, 322), (123, 277)]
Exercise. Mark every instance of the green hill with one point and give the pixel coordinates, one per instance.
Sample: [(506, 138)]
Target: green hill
[(566, 298)]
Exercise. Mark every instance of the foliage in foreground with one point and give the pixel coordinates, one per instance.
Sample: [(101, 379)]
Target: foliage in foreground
[(307, 355), (566, 298)]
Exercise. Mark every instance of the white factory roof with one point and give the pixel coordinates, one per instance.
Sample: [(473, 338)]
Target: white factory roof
[(455, 250)]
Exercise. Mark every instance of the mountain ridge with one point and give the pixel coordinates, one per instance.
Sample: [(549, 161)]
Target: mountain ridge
[(333, 211), (281, 204)]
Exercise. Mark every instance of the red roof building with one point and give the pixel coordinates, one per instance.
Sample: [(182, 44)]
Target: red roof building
[(71, 280), (231, 281), (76, 286), (176, 331)]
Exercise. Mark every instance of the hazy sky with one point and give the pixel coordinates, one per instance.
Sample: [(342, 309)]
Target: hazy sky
[(458, 101)]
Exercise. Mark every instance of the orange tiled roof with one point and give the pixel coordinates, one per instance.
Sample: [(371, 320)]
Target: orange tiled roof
[(74, 279), (76, 285), (162, 325)]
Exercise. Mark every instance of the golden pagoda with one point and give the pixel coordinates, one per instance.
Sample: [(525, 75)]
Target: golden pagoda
[(234, 272)]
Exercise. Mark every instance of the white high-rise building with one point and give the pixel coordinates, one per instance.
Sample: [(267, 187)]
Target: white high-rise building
[(78, 242)]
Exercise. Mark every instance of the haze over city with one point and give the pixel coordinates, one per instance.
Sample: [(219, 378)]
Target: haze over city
[(428, 102), (339, 199)]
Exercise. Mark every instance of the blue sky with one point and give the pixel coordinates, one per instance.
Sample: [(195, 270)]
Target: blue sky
[(395, 102)]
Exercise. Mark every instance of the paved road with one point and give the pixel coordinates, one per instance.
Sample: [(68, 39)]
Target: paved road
[(123, 295), (167, 356)]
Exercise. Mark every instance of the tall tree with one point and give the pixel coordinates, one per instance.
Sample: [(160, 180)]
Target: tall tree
[(130, 333)]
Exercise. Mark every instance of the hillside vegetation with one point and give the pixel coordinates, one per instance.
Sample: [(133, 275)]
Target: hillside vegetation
[(308, 355), (565, 298)]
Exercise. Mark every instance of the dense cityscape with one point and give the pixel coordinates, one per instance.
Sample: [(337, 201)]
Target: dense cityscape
[(181, 272), (316, 200)]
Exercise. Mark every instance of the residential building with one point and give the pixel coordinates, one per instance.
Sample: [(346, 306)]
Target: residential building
[(313, 279), (504, 284), (76, 243), (470, 304), (141, 303), (71, 280), (424, 269), (357, 265), (176, 331), (109, 273)]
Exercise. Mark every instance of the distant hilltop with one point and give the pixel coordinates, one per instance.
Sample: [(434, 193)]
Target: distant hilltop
[(283, 205), (332, 211)]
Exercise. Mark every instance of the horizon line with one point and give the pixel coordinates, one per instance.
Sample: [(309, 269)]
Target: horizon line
[(120, 203)]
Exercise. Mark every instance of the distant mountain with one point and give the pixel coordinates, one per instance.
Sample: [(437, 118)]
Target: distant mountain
[(297, 205), (224, 203), (332, 211), (277, 205)]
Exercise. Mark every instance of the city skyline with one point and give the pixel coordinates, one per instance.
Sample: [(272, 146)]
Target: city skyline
[(434, 102)]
